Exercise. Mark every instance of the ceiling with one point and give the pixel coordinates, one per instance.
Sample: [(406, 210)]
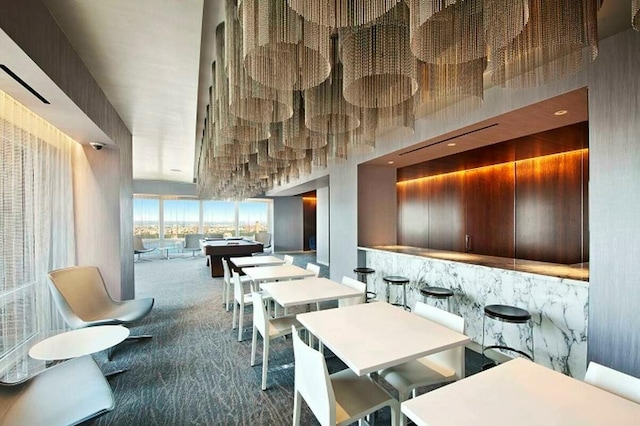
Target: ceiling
[(152, 59)]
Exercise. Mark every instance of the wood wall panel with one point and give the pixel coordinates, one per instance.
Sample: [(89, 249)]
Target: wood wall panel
[(446, 212), (489, 200), (309, 219), (413, 215), (548, 208), (532, 209)]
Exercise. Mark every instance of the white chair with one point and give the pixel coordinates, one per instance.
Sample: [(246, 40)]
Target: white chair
[(139, 248), (288, 259), (613, 381), (269, 329), (68, 393), (356, 285), (226, 289), (442, 367), (192, 243), (264, 238), (339, 399), (240, 300), (313, 268)]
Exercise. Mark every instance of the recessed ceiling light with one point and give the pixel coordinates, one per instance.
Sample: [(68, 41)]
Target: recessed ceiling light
[(561, 112), (451, 144), (389, 162), (176, 170)]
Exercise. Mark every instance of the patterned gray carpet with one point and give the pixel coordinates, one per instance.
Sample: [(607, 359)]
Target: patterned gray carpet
[(194, 371)]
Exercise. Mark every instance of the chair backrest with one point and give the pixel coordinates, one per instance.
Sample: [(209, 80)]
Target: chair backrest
[(356, 285), (313, 268), (238, 290), (288, 259), (137, 243), (451, 358), (264, 238), (613, 381), (80, 294), (192, 240), (312, 381), (260, 320), (226, 271), (216, 236)]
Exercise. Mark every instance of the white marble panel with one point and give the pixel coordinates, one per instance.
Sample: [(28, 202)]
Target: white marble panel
[(558, 306)]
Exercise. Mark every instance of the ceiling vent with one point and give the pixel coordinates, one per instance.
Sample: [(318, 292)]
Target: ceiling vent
[(24, 84)]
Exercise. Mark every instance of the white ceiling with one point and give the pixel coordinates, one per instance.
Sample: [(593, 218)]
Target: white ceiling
[(152, 59)]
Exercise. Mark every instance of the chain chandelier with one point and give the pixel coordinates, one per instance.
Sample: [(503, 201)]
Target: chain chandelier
[(299, 85)]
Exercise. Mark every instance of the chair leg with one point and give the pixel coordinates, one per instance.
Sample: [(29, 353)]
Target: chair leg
[(402, 419), (297, 405), (396, 414), (265, 361), (254, 343), (235, 313), (240, 322)]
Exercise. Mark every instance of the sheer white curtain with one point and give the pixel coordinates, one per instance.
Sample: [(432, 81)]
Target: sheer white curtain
[(36, 228)]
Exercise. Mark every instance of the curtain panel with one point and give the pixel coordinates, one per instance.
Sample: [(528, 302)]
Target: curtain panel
[(36, 230)]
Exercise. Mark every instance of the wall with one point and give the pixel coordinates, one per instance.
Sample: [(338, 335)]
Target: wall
[(309, 219), (102, 180), (287, 226), (614, 203), (529, 209), (322, 226), (376, 205), (160, 187)]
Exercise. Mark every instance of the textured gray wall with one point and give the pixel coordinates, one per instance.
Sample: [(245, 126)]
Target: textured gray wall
[(104, 238), (287, 224), (322, 226), (614, 203), (377, 206)]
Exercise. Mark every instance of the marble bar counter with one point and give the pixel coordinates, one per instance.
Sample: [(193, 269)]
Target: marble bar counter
[(555, 295)]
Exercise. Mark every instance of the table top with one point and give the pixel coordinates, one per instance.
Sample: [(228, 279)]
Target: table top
[(372, 336), (272, 273), (523, 393), (75, 343), (246, 261), (230, 242), (309, 290)]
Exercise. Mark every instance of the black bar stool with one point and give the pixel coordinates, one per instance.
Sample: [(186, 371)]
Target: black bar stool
[(397, 280), (508, 314), (439, 293), (363, 273)]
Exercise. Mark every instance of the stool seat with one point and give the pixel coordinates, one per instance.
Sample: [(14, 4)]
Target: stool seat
[(436, 292), (396, 280), (364, 270), (507, 313)]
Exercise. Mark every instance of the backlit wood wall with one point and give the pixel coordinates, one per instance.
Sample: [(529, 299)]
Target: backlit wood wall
[(529, 209)]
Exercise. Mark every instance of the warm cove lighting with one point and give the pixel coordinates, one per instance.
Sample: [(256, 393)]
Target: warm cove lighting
[(495, 166)]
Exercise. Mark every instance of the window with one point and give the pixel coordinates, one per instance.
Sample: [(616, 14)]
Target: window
[(146, 218), (181, 217), (252, 218), (169, 219), (219, 218)]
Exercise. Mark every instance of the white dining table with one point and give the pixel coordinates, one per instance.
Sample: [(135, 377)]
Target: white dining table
[(250, 261), (523, 393), (307, 291), (372, 336), (259, 274)]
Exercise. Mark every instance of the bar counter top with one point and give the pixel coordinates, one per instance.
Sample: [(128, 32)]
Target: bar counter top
[(578, 271)]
